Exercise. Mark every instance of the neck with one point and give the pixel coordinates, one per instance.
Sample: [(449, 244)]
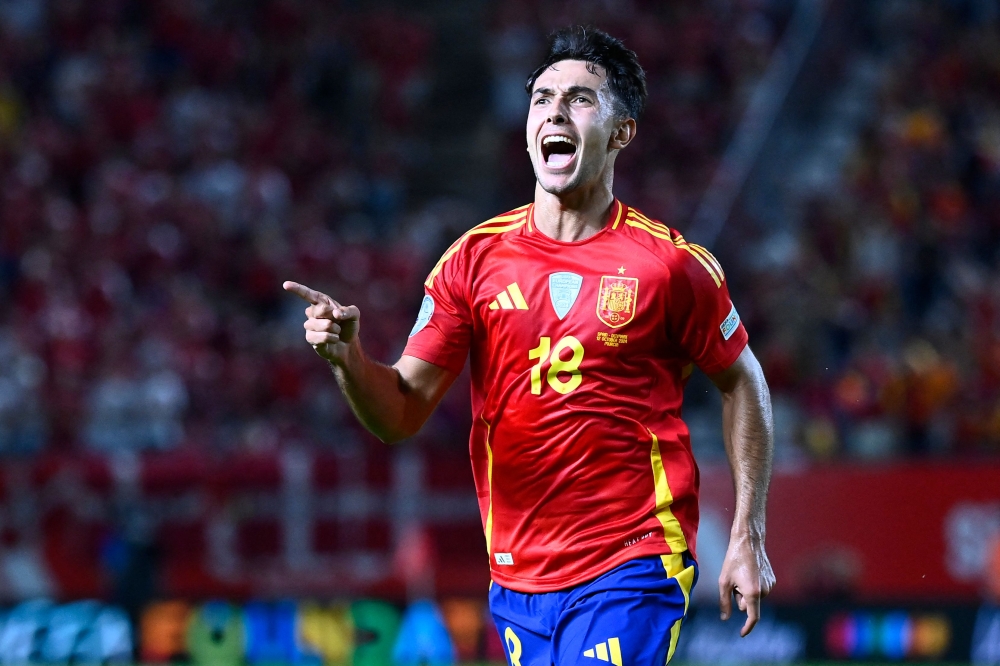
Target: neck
[(573, 216)]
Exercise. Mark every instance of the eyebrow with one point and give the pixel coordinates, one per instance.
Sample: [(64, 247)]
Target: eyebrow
[(572, 90)]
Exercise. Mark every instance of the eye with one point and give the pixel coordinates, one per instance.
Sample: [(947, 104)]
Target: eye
[(540, 100), (583, 99)]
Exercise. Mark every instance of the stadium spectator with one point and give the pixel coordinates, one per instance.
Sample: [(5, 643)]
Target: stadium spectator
[(162, 164), (882, 315)]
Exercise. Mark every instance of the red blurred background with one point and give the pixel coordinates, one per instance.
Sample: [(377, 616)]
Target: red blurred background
[(164, 430)]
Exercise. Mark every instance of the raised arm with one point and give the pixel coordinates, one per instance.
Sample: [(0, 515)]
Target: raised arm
[(392, 402), (748, 431)]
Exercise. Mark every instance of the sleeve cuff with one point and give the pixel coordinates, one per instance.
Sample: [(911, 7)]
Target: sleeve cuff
[(435, 357), (732, 350)]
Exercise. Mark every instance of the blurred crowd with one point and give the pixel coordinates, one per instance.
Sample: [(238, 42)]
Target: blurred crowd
[(165, 165), (880, 317)]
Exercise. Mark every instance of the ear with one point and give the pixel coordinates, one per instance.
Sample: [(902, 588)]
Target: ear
[(622, 135)]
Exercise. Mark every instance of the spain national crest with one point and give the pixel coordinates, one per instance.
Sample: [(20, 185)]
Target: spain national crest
[(616, 300)]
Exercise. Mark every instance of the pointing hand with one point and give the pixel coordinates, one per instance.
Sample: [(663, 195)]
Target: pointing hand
[(331, 328)]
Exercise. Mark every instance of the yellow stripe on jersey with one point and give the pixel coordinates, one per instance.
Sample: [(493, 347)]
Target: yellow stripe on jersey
[(618, 218), (504, 301), (653, 223), (711, 258), (639, 224), (672, 532), (673, 564), (483, 228), (489, 482), (678, 240), (507, 217), (679, 243)]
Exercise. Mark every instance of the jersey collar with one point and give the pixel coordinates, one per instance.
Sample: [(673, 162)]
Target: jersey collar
[(615, 217)]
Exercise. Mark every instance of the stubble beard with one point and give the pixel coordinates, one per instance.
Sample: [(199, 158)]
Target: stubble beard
[(560, 190), (575, 182)]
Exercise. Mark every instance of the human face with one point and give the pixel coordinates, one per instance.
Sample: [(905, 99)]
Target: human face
[(572, 131)]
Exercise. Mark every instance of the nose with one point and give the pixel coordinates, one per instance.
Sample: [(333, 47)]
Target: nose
[(557, 115)]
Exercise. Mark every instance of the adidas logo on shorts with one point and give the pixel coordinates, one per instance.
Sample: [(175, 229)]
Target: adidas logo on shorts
[(606, 651)]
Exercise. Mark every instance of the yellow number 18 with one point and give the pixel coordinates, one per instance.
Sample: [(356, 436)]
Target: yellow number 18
[(545, 352)]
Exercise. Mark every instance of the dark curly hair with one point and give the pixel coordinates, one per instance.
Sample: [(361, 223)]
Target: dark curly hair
[(626, 78)]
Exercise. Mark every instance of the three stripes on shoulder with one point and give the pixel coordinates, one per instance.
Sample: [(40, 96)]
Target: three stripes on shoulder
[(510, 298)]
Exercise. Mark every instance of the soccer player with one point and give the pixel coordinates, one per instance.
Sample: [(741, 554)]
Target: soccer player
[(583, 319)]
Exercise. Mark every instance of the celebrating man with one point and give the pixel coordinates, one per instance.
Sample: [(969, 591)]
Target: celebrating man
[(583, 319)]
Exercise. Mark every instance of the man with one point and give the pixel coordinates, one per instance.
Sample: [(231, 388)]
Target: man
[(583, 319)]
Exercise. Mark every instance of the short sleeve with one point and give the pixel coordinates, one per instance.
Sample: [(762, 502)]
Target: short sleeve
[(443, 330), (703, 320)]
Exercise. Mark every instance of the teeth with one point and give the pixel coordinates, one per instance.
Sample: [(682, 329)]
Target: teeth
[(553, 139)]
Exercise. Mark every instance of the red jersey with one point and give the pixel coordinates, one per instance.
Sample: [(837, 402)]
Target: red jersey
[(579, 356)]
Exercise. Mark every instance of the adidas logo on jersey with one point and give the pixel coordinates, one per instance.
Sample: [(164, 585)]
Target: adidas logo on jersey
[(510, 298), (608, 651)]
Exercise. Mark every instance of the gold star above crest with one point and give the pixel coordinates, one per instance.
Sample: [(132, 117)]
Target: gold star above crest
[(621, 271)]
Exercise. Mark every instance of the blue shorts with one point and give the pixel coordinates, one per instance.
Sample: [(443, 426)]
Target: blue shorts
[(630, 616)]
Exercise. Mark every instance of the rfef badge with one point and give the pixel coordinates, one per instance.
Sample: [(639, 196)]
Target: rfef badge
[(616, 300)]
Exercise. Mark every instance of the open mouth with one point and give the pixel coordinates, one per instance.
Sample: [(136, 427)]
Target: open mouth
[(558, 151)]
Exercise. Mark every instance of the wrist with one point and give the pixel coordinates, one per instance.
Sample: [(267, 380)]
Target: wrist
[(749, 530), (350, 358)]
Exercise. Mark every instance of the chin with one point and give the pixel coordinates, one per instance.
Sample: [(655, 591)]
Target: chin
[(559, 186)]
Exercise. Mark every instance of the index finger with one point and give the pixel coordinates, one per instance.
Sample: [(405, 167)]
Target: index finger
[(753, 614), (305, 293)]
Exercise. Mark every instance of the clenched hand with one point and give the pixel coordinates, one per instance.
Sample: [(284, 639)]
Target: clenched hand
[(747, 576)]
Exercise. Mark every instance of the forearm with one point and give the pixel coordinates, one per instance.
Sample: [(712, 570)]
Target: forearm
[(748, 431), (391, 402), (378, 396)]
